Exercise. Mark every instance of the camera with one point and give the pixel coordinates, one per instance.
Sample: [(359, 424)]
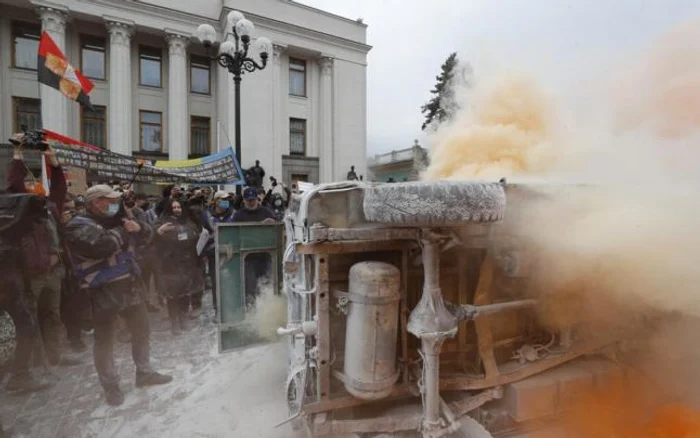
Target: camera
[(35, 140)]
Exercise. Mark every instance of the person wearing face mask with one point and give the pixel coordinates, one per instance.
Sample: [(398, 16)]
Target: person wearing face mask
[(102, 244), (181, 275), (221, 211)]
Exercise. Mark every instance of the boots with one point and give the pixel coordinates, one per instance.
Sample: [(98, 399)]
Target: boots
[(78, 346), (175, 326), (184, 322), (25, 382), (175, 316), (114, 395), (196, 313), (151, 379)]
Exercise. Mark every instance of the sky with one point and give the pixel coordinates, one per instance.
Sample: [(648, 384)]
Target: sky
[(412, 38)]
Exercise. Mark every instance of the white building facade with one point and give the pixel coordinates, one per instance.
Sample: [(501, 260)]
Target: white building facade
[(158, 95)]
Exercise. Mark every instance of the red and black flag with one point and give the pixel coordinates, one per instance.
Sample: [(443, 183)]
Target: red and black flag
[(56, 72)]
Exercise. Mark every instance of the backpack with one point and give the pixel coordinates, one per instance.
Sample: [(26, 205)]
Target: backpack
[(18, 215)]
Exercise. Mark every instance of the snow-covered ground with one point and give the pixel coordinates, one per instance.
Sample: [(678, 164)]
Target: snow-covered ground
[(237, 394)]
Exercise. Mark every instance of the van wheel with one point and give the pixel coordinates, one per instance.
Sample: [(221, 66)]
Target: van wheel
[(434, 203)]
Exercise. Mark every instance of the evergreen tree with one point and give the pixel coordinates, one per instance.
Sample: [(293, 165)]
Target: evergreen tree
[(441, 106)]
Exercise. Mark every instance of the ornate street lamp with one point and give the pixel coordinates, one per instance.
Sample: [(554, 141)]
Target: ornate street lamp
[(233, 56)]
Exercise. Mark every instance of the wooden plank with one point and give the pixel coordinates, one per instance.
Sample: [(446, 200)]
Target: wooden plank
[(393, 422), (483, 325), (324, 330), (349, 401), (469, 383), (354, 246)]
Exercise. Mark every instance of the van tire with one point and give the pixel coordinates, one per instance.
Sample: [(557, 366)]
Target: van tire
[(434, 203)]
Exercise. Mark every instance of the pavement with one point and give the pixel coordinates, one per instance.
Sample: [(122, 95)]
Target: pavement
[(237, 394)]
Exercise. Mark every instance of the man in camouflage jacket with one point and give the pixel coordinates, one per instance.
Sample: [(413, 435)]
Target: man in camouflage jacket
[(102, 246)]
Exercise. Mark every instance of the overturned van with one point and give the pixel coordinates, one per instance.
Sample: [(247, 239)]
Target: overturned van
[(411, 311)]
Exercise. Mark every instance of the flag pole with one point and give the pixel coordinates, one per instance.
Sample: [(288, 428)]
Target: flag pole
[(44, 172)]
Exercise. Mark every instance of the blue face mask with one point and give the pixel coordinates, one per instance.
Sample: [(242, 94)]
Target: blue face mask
[(112, 210), (224, 205)]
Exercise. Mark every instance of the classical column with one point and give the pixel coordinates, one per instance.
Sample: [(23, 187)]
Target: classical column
[(277, 116), (54, 105), (326, 121), (178, 124), (120, 109)]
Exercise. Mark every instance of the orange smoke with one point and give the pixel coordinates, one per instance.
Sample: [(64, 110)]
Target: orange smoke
[(623, 411), (506, 132)]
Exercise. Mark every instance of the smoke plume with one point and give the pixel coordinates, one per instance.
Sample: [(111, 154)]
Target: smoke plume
[(618, 252)]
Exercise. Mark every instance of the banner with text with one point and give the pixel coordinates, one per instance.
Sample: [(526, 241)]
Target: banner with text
[(220, 168)]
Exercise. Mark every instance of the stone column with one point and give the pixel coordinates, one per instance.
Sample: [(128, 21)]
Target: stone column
[(178, 117), (277, 115), (120, 108), (54, 105), (326, 121)]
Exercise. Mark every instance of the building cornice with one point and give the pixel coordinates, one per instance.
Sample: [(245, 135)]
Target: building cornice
[(315, 35), (179, 17), (49, 5), (326, 13)]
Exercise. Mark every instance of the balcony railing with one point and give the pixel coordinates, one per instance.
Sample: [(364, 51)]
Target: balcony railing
[(393, 157)]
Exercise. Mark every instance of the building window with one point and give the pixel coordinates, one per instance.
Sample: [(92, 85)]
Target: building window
[(199, 75), (151, 126), (93, 126), (27, 114), (297, 137), (200, 136), (297, 77), (92, 57), (25, 45), (150, 60)]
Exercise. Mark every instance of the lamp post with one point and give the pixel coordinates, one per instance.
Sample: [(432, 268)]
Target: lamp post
[(233, 56)]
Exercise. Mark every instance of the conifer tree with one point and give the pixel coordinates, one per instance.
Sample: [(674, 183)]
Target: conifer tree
[(441, 106)]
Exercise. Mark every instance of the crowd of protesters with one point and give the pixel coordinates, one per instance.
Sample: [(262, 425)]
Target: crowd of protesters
[(102, 260)]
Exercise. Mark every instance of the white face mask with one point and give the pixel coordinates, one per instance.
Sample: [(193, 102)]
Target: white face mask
[(112, 210)]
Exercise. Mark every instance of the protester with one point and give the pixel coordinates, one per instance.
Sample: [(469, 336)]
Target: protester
[(74, 302), (144, 253), (257, 265), (21, 307), (168, 192), (180, 268), (144, 204), (196, 206), (352, 175), (220, 212), (252, 210), (277, 198), (43, 266), (102, 244)]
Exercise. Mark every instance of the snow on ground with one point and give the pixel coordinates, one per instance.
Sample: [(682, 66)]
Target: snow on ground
[(237, 394)]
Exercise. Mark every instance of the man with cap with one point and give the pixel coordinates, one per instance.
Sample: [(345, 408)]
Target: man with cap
[(257, 265), (221, 210), (253, 210), (102, 250)]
